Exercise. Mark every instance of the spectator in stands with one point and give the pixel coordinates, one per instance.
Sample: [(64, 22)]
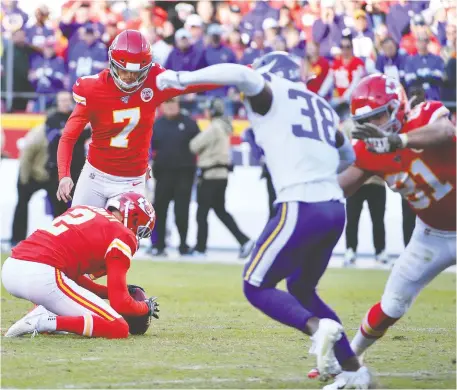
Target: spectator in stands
[(217, 53), (185, 56), (110, 33), (235, 43), (179, 14), (294, 42), (380, 34), (347, 72), (47, 74), (174, 171), (12, 18), (305, 19), (449, 49), (270, 28), (235, 16), (149, 16), (374, 193), (418, 27), (391, 62), (20, 52), (317, 71), (399, 16), (256, 48), (327, 30), (38, 33), (254, 19), (206, 11), (213, 149), (72, 22), (55, 123), (285, 18), (33, 176), (425, 69), (87, 57), (362, 36), (160, 49), (377, 9), (279, 44), (448, 90), (194, 24)]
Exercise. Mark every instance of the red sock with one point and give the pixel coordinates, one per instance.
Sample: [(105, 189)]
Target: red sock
[(376, 322), (93, 326)]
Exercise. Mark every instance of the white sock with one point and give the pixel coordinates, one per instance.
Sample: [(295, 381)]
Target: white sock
[(47, 324), (360, 343)]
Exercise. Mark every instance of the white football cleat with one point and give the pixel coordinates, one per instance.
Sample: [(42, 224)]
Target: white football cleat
[(28, 323), (383, 258), (328, 333), (360, 379), (349, 258)]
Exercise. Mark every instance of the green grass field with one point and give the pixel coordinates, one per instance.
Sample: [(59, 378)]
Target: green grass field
[(209, 337)]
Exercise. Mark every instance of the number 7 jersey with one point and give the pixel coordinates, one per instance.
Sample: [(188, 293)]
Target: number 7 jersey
[(425, 178), (121, 123)]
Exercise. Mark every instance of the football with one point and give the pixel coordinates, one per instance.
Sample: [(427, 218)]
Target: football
[(138, 325)]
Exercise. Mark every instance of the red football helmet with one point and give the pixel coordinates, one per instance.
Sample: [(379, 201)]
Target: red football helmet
[(377, 94), (130, 51), (138, 215)]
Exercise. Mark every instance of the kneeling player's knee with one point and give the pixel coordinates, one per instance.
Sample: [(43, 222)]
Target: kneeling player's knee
[(395, 305), (119, 329), (250, 291)]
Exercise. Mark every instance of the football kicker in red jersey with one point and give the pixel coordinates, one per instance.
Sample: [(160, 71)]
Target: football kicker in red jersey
[(51, 268), (120, 104)]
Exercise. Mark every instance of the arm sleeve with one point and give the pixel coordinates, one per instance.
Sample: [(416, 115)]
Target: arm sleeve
[(118, 257), (97, 289), (73, 129), (345, 150), (245, 79)]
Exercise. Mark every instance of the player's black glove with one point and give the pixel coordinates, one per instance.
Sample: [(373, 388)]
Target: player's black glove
[(132, 288), (378, 141), (153, 306)]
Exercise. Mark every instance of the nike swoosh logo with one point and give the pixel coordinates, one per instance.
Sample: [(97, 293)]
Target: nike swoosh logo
[(135, 184)]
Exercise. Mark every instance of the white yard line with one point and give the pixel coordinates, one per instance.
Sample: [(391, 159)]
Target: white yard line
[(416, 375)]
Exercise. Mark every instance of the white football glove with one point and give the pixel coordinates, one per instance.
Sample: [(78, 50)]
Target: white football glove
[(169, 79)]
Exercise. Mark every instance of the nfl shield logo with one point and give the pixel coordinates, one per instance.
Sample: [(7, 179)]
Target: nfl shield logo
[(125, 99)]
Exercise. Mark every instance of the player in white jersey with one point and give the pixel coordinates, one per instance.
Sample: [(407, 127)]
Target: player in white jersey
[(297, 132)]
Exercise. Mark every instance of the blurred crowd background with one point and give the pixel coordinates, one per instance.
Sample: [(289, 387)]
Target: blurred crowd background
[(46, 47)]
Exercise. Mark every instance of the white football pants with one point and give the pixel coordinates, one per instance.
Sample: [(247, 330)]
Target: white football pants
[(95, 188), (429, 252), (47, 286)]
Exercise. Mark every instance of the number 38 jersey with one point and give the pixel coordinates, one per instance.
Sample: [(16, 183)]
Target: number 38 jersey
[(425, 178), (297, 137), (81, 241)]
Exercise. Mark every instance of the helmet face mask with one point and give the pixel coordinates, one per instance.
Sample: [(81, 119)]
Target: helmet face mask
[(377, 97), (130, 52), (137, 213)]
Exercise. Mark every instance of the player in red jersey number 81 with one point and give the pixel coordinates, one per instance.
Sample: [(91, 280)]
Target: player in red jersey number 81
[(414, 152)]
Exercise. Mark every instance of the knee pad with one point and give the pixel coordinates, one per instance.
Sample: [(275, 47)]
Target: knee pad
[(395, 305), (118, 329)]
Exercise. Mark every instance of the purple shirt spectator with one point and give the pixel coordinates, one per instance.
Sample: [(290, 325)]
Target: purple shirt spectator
[(399, 16), (87, 58), (427, 70), (253, 20), (328, 35), (251, 54), (13, 18), (392, 66), (47, 75), (185, 56)]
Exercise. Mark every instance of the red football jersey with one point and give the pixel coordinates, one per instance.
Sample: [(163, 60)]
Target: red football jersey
[(121, 123), (87, 240), (426, 178), (78, 242), (343, 73)]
